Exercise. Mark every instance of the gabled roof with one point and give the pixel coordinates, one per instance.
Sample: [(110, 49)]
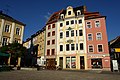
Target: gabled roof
[(54, 17), (9, 18), (115, 42), (92, 15)]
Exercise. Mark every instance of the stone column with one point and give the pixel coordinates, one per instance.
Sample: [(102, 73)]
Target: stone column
[(1, 31), (12, 32), (22, 32), (19, 60)]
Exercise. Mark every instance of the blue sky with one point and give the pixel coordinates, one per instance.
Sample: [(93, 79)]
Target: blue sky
[(34, 13)]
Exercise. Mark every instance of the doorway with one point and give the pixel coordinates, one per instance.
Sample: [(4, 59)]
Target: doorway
[(82, 62), (61, 62)]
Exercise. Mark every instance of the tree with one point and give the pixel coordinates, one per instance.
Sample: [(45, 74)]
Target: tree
[(16, 50)]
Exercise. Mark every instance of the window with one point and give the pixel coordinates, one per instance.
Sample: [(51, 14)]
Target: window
[(72, 47), (81, 46), (73, 62), (76, 46), (69, 12), (18, 31), (67, 33), (67, 47), (62, 16), (68, 62), (61, 24), (53, 33), (53, 41), (61, 34), (7, 28), (61, 47), (72, 33), (80, 21), (48, 34), (48, 42), (53, 52), (72, 22), (16, 41), (88, 24), (89, 37), (76, 33), (48, 52), (78, 12), (90, 48), (67, 22), (49, 27), (100, 48), (97, 23), (4, 42), (99, 36), (80, 33), (53, 26)]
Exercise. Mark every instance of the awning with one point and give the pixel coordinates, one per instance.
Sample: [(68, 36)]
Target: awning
[(4, 54)]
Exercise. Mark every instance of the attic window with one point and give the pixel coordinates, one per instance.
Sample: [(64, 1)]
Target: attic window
[(62, 16), (69, 12), (78, 12)]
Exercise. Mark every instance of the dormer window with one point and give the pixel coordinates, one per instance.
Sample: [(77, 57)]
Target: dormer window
[(78, 12), (62, 16), (69, 12)]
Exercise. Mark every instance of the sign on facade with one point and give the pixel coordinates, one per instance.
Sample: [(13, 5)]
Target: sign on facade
[(115, 64)]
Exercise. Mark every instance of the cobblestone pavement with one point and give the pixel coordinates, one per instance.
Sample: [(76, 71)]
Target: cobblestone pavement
[(57, 75)]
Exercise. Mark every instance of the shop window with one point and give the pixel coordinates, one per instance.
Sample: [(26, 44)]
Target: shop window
[(73, 62), (67, 62), (96, 63)]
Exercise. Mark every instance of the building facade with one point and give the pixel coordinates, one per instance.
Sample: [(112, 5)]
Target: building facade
[(71, 39), (51, 41), (11, 30), (97, 43), (76, 39)]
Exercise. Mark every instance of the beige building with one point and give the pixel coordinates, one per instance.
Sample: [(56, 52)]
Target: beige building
[(36, 46), (11, 30), (71, 39)]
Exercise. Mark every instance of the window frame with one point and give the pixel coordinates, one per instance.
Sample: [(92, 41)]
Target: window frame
[(91, 37), (98, 48), (89, 48), (99, 37), (88, 24)]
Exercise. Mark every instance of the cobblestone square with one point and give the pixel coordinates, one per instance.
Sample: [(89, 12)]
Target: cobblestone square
[(57, 75)]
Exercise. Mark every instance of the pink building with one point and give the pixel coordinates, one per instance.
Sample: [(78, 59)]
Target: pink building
[(96, 40)]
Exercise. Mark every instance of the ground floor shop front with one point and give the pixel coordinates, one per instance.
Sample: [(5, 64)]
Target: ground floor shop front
[(84, 62), (75, 62)]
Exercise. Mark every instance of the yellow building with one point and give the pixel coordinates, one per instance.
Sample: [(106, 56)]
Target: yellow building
[(36, 47), (11, 30)]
